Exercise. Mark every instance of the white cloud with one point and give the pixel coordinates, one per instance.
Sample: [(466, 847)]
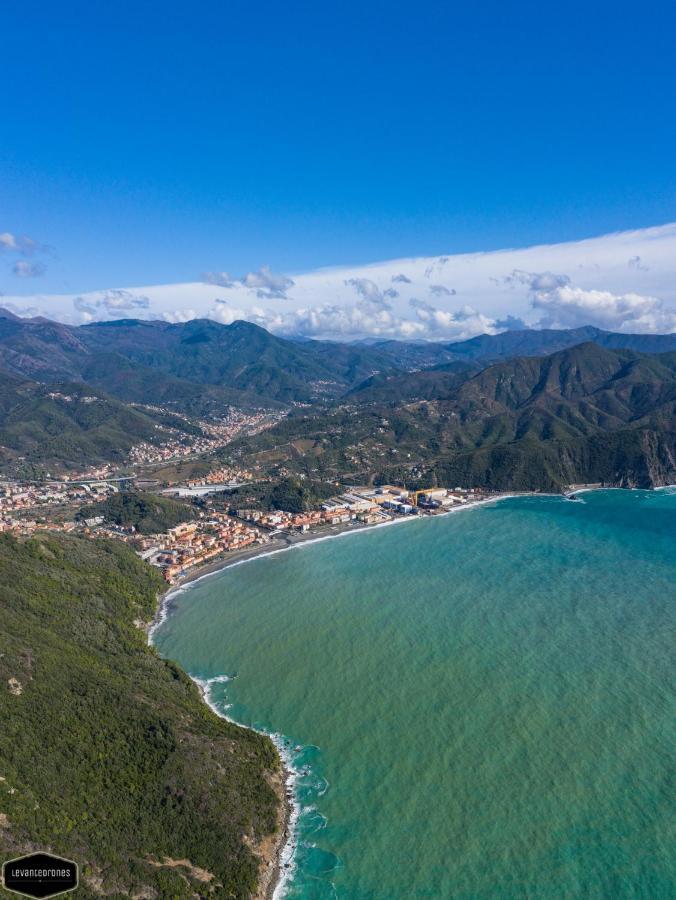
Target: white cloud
[(222, 279), (24, 269), (453, 325), (225, 314), (565, 305), (23, 246), (177, 316), (337, 320), (267, 284), (568, 306), (346, 322), (112, 302), (370, 293), (368, 318), (24, 311), (574, 283), (19, 243), (8, 241), (536, 281)]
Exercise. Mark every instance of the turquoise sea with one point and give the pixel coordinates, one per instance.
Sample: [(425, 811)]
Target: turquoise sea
[(479, 705)]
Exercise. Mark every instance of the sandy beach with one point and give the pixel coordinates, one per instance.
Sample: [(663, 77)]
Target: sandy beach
[(285, 540), (279, 541)]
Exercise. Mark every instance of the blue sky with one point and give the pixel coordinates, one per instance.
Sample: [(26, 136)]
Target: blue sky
[(146, 143)]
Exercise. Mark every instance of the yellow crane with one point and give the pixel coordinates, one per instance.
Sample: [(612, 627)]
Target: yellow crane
[(416, 494)]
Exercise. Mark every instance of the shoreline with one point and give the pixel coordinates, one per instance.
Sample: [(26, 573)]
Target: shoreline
[(283, 541), (280, 865), (276, 866)]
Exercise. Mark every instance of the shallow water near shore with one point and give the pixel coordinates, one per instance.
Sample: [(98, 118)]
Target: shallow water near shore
[(477, 705)]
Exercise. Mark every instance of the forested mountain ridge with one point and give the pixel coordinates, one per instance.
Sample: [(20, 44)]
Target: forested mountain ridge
[(488, 348), (243, 364), (70, 425), (524, 409), (578, 415), (239, 363)]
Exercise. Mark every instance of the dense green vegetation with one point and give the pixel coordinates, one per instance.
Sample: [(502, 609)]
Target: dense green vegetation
[(528, 419), (107, 753), (290, 494), (199, 366), (65, 426), (143, 361), (147, 513), (241, 356), (585, 414), (137, 383), (431, 384)]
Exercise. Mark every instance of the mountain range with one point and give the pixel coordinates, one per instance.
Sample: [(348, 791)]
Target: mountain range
[(202, 363), (196, 364), (494, 409), (585, 414)]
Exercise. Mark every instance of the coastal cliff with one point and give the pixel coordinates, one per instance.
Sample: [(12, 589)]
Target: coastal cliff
[(641, 458)]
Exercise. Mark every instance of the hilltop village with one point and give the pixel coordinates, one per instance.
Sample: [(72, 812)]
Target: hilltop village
[(208, 526)]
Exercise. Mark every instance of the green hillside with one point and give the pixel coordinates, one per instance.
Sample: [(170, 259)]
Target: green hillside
[(108, 755), (71, 425), (155, 362), (202, 365), (241, 356), (135, 383), (289, 494), (147, 513), (585, 414), (430, 384)]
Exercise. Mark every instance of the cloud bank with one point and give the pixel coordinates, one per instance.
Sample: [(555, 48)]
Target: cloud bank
[(115, 303), (619, 282), (264, 282)]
